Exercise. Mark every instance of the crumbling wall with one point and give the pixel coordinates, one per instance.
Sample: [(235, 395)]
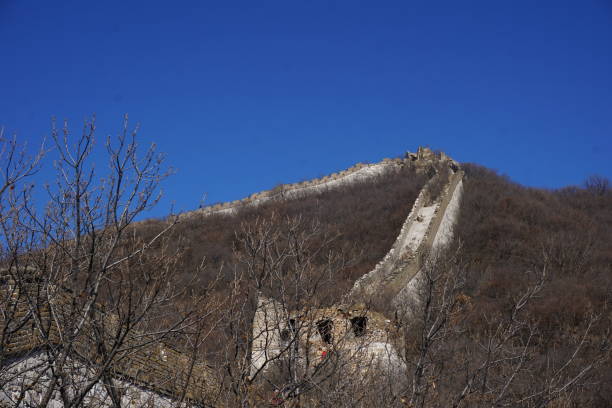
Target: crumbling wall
[(436, 239), (356, 173), (421, 160), (269, 320), (32, 372), (428, 226), (374, 345)]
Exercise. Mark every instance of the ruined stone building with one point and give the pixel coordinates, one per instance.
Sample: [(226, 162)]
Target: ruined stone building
[(361, 338)]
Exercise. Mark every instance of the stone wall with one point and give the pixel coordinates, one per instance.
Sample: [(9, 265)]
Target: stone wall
[(437, 237), (154, 366), (444, 232), (421, 160), (280, 333), (356, 173), (370, 282), (428, 226), (32, 373)]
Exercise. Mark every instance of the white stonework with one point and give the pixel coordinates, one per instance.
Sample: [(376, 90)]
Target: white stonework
[(445, 232), (298, 190), (373, 348), (408, 297), (23, 374)]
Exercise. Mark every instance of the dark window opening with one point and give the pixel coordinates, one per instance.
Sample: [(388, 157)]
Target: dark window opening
[(325, 330), (358, 325), (287, 333)]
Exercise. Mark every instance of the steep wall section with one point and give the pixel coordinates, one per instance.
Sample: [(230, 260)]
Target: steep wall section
[(444, 233), (437, 238), (404, 248), (428, 226)]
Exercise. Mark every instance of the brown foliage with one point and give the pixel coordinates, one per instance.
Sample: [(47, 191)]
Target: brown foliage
[(508, 232), (362, 218)]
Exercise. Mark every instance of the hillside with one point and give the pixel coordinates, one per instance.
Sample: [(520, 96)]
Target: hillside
[(360, 219), (508, 240), (410, 282), (506, 235), (510, 237)]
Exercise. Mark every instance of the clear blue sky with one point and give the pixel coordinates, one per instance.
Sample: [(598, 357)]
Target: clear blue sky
[(245, 95)]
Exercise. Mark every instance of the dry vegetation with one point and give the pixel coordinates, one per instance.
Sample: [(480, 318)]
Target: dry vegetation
[(531, 275), (535, 287), (507, 229), (528, 323), (516, 313), (360, 221)]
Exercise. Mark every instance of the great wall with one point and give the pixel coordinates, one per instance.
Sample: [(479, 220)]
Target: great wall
[(427, 228), (426, 231), (354, 174), (423, 159)]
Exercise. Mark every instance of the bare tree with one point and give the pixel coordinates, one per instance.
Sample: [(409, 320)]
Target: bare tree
[(97, 297), (287, 340), (459, 356), (17, 168), (17, 165), (598, 185), (431, 320)]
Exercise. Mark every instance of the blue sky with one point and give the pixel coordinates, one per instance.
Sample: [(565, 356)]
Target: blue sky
[(245, 95)]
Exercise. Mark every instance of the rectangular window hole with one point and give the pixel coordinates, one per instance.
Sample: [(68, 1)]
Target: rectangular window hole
[(359, 324), (325, 330)]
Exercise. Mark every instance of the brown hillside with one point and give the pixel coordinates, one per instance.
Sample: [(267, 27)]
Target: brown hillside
[(362, 220)]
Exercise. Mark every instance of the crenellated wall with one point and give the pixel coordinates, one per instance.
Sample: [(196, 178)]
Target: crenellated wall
[(356, 173), (422, 160), (429, 226), (438, 235)]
